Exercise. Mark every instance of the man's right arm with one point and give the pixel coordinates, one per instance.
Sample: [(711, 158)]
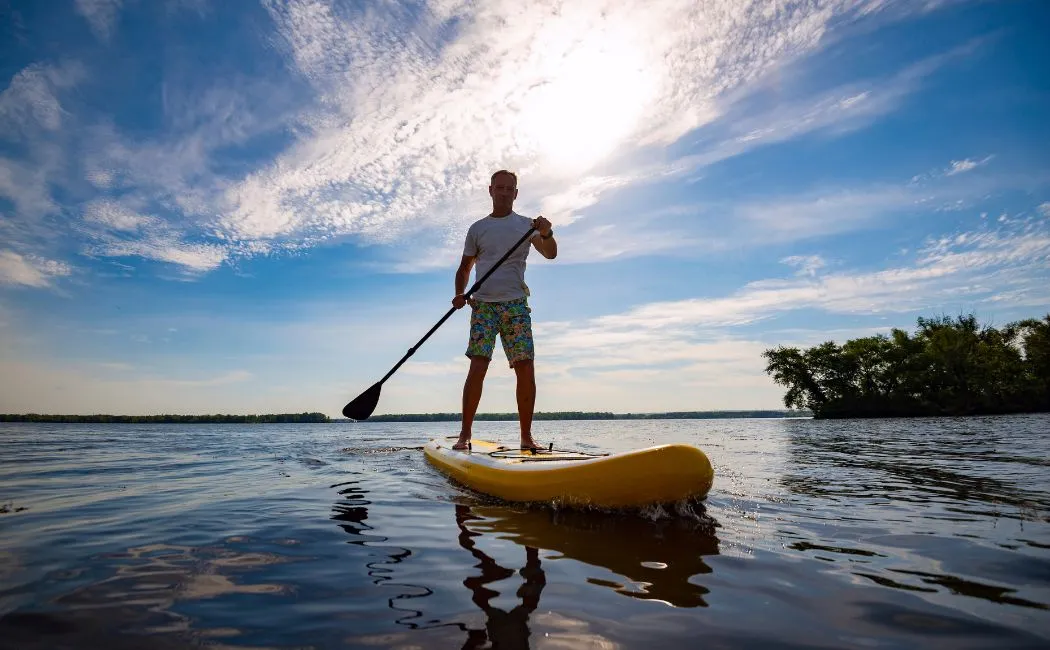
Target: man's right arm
[(462, 277)]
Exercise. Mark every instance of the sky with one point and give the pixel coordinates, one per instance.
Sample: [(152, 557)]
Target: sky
[(259, 206)]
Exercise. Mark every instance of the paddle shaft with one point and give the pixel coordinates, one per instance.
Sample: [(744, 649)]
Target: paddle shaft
[(412, 350)]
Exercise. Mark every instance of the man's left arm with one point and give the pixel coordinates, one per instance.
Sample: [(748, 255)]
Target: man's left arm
[(545, 242)]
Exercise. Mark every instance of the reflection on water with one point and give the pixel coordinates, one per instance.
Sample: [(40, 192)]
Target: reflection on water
[(138, 598), (504, 629), (650, 560), (351, 513), (656, 560)]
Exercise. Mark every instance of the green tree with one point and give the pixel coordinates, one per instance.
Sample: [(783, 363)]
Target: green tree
[(948, 367), (789, 368)]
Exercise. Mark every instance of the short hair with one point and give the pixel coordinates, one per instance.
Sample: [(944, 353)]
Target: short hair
[(492, 180)]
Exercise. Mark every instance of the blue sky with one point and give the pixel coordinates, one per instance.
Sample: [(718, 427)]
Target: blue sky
[(248, 207)]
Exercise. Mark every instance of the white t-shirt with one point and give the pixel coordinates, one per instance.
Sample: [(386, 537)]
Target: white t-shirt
[(488, 239)]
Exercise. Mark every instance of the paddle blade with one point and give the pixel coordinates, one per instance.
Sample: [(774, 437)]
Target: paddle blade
[(363, 405)]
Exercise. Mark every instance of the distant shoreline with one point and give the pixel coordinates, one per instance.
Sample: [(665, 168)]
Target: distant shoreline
[(217, 418), (590, 415), (315, 418)]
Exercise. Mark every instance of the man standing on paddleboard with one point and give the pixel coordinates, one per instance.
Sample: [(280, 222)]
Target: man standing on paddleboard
[(500, 305)]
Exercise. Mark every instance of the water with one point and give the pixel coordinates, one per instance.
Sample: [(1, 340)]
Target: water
[(860, 534)]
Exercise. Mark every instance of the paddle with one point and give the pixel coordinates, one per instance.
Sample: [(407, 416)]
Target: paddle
[(362, 406)]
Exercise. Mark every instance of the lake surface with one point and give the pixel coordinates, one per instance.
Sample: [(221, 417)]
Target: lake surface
[(843, 534)]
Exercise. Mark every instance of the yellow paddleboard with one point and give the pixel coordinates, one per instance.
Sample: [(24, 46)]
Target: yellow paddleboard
[(660, 474)]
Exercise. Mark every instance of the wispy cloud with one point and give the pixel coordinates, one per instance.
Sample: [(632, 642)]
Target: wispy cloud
[(761, 118), (115, 216), (408, 127), (974, 266), (156, 198), (30, 101), (965, 165), (32, 117), (30, 271), (192, 257), (411, 109), (806, 264), (748, 119), (25, 184), (101, 15), (120, 231)]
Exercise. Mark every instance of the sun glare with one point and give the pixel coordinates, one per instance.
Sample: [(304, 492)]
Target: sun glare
[(590, 100)]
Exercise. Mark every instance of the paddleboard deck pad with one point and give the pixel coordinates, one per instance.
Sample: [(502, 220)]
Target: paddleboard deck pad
[(659, 474)]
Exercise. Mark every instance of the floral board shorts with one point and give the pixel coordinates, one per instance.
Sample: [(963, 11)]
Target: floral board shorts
[(511, 320)]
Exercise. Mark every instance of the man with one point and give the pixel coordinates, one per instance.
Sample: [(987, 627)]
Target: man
[(500, 305)]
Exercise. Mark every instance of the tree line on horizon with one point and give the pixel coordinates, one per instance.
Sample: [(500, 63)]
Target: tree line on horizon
[(392, 417), (948, 367), (168, 419), (588, 415)]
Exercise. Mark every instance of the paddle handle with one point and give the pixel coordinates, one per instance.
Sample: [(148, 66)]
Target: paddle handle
[(473, 288)]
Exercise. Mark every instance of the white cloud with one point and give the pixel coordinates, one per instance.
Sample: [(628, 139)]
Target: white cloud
[(817, 213), (568, 203), (1044, 209), (965, 165), (977, 265), (120, 230), (31, 118), (960, 166), (806, 264), (30, 271), (413, 109), (26, 186), (101, 15), (192, 257), (170, 174), (30, 101), (112, 214), (408, 127)]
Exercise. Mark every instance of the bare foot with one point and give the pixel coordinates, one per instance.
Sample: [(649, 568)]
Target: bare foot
[(527, 443), (463, 443)]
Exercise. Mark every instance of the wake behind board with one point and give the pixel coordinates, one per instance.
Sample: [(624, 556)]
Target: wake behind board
[(660, 474)]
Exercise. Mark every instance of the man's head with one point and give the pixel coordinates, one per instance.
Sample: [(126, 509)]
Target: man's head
[(503, 188)]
